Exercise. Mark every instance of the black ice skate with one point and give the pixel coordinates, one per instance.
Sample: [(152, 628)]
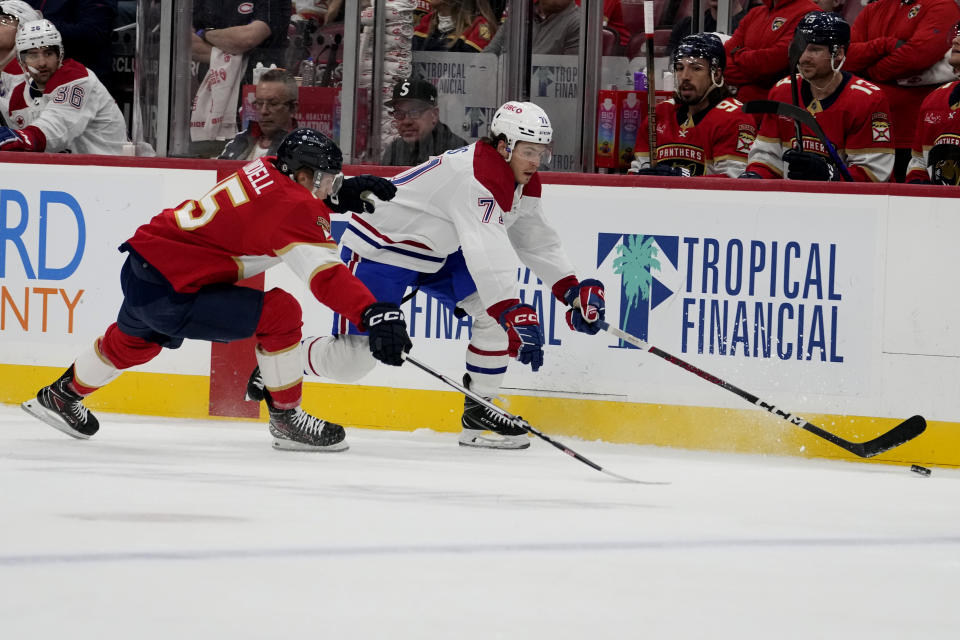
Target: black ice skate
[(297, 430), (62, 409), (256, 390), (488, 429)]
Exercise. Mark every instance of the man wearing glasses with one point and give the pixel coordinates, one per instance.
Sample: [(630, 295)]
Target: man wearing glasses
[(275, 100), (417, 118)]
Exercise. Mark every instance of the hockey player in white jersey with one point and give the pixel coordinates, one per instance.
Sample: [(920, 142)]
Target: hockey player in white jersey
[(12, 13), (60, 105), (455, 229)]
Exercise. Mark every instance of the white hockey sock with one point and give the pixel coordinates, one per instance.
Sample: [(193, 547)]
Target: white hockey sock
[(280, 369), (92, 369), (344, 358)]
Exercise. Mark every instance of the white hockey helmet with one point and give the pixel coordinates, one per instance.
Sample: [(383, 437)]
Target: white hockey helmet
[(521, 122), (19, 10), (36, 34)]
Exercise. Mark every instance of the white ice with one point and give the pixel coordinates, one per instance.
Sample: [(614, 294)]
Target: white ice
[(163, 528)]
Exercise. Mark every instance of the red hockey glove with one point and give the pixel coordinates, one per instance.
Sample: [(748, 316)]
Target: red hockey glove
[(29, 139), (587, 305), (524, 334)]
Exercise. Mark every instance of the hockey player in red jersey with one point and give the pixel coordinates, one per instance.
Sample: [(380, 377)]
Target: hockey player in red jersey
[(894, 40), (936, 145), (179, 281), (455, 230), (757, 50), (702, 130), (852, 112)]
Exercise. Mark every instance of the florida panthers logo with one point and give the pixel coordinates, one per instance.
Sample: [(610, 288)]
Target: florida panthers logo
[(777, 23), (913, 12)]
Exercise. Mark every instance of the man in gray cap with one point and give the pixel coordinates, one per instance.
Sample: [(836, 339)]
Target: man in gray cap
[(417, 118)]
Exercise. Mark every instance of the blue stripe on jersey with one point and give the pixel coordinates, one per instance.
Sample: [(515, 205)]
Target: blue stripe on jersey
[(416, 172), (387, 247), (475, 369)]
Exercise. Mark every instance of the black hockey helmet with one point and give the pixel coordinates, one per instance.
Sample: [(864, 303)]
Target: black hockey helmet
[(308, 148), (702, 45), (943, 160), (821, 27)]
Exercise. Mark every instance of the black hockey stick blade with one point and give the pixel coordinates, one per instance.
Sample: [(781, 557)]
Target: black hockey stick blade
[(520, 422), (903, 432), (799, 114), (900, 434)]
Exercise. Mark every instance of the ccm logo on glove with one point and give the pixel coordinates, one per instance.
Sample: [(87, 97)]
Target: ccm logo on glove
[(386, 316)]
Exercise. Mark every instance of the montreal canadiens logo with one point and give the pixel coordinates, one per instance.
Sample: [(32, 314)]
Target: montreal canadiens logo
[(245, 8)]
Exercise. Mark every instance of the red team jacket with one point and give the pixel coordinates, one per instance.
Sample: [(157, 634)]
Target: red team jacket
[(248, 222), (855, 119), (474, 38), (939, 124), (716, 144), (925, 29), (757, 50)]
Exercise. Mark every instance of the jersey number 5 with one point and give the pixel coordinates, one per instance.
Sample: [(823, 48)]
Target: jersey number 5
[(193, 214)]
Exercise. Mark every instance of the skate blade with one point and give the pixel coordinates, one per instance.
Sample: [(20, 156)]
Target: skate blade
[(37, 410), (482, 442), (288, 445)]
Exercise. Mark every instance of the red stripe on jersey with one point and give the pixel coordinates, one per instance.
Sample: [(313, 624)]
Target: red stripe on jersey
[(69, 71), (366, 225), (484, 352), (494, 173)]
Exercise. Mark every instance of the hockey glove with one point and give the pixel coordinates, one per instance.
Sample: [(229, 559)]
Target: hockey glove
[(804, 165), (388, 332), (355, 194), (750, 175), (28, 139), (587, 305), (524, 334)]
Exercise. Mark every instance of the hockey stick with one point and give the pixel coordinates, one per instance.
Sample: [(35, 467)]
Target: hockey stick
[(519, 422), (648, 28), (903, 432), (802, 116)]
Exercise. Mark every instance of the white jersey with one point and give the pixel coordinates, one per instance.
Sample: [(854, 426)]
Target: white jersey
[(10, 76), (465, 198), (75, 112)]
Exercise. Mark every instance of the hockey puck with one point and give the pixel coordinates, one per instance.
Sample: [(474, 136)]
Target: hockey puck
[(921, 470)]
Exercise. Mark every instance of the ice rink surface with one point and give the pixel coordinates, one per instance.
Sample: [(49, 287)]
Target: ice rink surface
[(164, 528)]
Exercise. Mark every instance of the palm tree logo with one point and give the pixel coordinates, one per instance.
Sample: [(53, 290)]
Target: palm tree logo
[(636, 258)]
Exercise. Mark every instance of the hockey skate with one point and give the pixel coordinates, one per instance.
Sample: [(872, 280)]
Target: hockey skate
[(61, 408), (297, 430), (488, 429)]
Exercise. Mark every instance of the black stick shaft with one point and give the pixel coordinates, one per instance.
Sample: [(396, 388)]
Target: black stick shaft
[(906, 430)]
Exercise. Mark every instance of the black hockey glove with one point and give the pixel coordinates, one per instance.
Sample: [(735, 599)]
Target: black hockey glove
[(804, 165), (355, 194), (663, 170), (388, 332), (750, 175), (586, 295)]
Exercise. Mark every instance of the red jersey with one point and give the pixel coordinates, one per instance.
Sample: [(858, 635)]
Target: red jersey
[(855, 118), (474, 38), (757, 51), (613, 20), (250, 221), (923, 28), (939, 124), (715, 141)]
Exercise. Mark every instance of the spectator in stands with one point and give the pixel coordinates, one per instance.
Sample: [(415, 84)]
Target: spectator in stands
[(59, 105), (323, 12), (936, 156), (703, 130), (275, 99), (892, 41), (852, 112), (683, 27), (420, 134), (556, 29), (757, 50), (86, 27), (12, 13), (455, 25), (255, 29), (613, 20)]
